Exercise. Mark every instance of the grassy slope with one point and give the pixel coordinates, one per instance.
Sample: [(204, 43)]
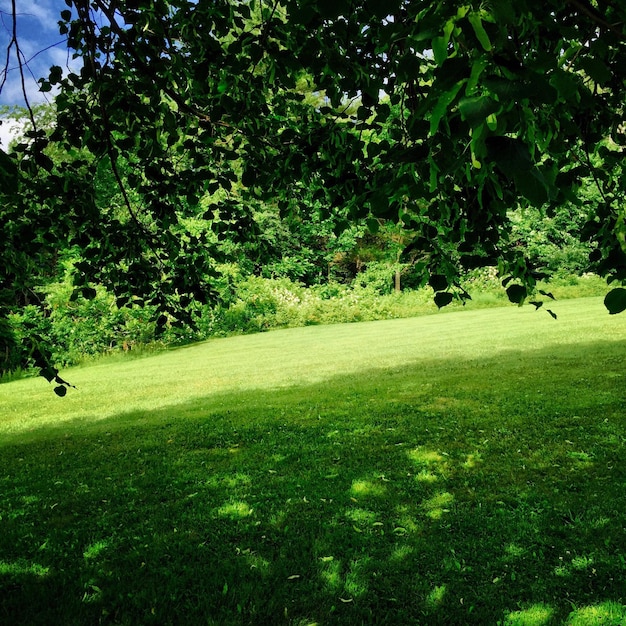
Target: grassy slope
[(457, 468)]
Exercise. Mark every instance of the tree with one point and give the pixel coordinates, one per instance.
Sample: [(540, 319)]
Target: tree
[(438, 116)]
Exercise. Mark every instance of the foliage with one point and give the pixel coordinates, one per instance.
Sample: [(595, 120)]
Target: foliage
[(552, 241), (79, 329), (373, 473), (435, 118)]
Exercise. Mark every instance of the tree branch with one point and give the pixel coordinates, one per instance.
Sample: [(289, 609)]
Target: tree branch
[(599, 19)]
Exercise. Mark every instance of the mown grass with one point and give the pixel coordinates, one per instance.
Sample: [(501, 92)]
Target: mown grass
[(465, 468)]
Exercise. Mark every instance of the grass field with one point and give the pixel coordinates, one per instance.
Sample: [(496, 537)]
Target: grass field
[(460, 468)]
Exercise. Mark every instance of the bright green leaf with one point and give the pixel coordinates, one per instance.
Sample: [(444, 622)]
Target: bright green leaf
[(440, 50), (479, 31), (443, 103)]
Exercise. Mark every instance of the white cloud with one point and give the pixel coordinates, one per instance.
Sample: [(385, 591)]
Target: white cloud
[(9, 130), (45, 12)]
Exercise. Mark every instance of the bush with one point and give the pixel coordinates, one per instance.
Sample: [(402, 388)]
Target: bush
[(80, 328)]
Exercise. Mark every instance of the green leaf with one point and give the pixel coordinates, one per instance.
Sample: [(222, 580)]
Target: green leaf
[(440, 50), (9, 181), (56, 74), (476, 110), (537, 304), (89, 293), (517, 294), (66, 15), (547, 294), (565, 84), (443, 298), (615, 300), (596, 70), (373, 225), (440, 44), (479, 31), (532, 186), (443, 103), (510, 155), (49, 373)]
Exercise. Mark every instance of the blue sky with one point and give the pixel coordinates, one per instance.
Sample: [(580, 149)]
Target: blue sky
[(40, 42), (41, 45)]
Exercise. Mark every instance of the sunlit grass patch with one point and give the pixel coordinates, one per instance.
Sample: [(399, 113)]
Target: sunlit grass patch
[(604, 614), (438, 505), (20, 568), (357, 577), (515, 551), (421, 456), (235, 510), (426, 477), (330, 573), (401, 552), (435, 598), (366, 488), (93, 550), (536, 615), (361, 516)]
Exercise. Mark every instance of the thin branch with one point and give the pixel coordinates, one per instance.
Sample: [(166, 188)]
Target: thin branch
[(596, 17), (13, 43)]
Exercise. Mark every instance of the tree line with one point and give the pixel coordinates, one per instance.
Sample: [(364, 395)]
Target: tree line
[(293, 135)]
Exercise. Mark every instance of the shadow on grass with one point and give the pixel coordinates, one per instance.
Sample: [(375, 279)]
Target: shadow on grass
[(476, 492)]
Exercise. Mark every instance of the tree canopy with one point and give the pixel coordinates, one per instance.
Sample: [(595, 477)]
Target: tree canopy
[(439, 118)]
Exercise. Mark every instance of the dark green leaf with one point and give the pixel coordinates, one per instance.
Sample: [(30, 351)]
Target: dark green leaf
[(596, 70), (49, 373), (60, 390), (516, 293), (536, 304), (615, 300), (566, 85), (532, 186), (547, 294), (443, 298), (438, 282), (373, 225), (510, 155), (8, 174), (476, 110)]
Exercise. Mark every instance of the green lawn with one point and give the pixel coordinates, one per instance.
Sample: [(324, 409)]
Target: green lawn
[(461, 468)]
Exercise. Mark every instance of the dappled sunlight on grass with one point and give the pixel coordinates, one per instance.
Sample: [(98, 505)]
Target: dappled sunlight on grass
[(20, 568), (536, 615), (235, 510), (435, 598), (367, 488), (604, 614), (438, 505)]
